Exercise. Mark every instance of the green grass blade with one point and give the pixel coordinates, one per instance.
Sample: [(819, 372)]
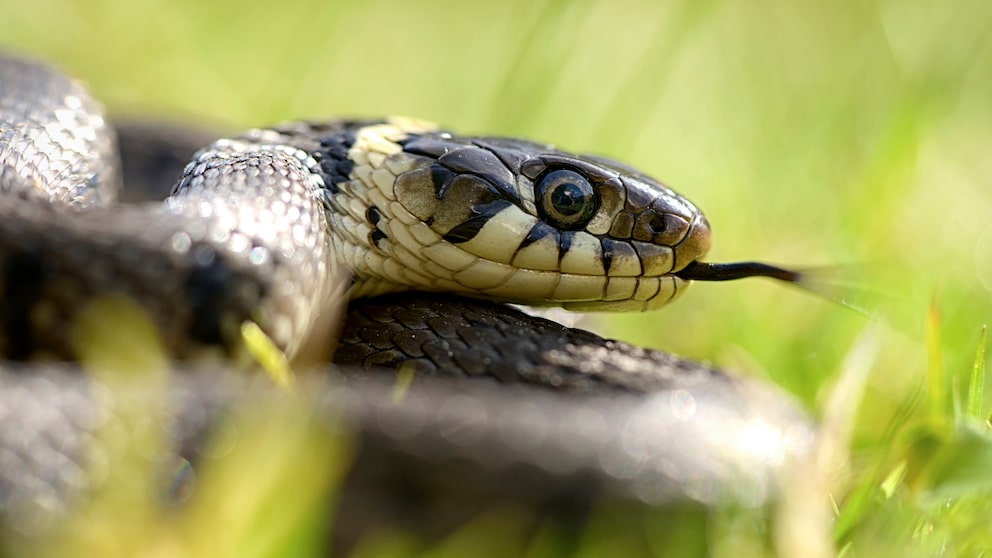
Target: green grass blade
[(977, 384), (936, 380)]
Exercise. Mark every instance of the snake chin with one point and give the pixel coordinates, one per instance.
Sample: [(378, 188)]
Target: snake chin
[(651, 294)]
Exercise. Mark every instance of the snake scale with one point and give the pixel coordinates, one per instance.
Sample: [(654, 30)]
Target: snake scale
[(424, 231)]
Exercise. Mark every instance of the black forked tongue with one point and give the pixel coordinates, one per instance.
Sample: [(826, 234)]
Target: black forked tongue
[(699, 271), (816, 282)]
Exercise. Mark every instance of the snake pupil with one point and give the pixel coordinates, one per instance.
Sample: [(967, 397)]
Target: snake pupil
[(567, 199)]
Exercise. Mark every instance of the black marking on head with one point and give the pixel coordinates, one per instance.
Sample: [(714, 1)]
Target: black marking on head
[(208, 290), (23, 275), (482, 163), (507, 151), (564, 244), (496, 160), (441, 177), (608, 250), (532, 168), (537, 232), (481, 215), (332, 154)]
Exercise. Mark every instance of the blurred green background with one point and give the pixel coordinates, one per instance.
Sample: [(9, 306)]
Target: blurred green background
[(853, 135)]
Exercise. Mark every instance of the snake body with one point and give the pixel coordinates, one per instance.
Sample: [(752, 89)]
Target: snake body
[(278, 226)]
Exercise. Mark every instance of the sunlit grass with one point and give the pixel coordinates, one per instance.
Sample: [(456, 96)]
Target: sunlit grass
[(852, 134)]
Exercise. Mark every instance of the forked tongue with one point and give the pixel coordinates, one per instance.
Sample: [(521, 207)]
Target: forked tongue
[(813, 281)]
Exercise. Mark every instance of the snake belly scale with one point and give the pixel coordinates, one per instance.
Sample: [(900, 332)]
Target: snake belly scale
[(284, 225)]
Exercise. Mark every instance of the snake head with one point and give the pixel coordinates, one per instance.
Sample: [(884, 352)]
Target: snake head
[(517, 221)]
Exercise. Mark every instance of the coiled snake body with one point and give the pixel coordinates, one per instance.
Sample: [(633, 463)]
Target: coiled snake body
[(276, 226)]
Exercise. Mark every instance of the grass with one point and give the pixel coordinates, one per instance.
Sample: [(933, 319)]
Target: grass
[(846, 134)]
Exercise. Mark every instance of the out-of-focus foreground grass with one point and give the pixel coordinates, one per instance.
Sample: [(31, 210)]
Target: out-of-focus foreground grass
[(853, 135)]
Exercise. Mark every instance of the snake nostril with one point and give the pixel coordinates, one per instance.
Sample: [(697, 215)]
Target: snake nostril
[(657, 223)]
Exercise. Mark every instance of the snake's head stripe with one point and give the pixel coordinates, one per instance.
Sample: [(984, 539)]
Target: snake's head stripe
[(505, 219)]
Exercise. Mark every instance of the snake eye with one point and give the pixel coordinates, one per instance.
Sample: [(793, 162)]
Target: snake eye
[(567, 199)]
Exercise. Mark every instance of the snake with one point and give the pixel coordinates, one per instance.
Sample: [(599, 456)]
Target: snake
[(421, 238)]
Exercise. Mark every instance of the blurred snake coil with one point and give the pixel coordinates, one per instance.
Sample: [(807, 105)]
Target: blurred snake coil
[(416, 236)]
